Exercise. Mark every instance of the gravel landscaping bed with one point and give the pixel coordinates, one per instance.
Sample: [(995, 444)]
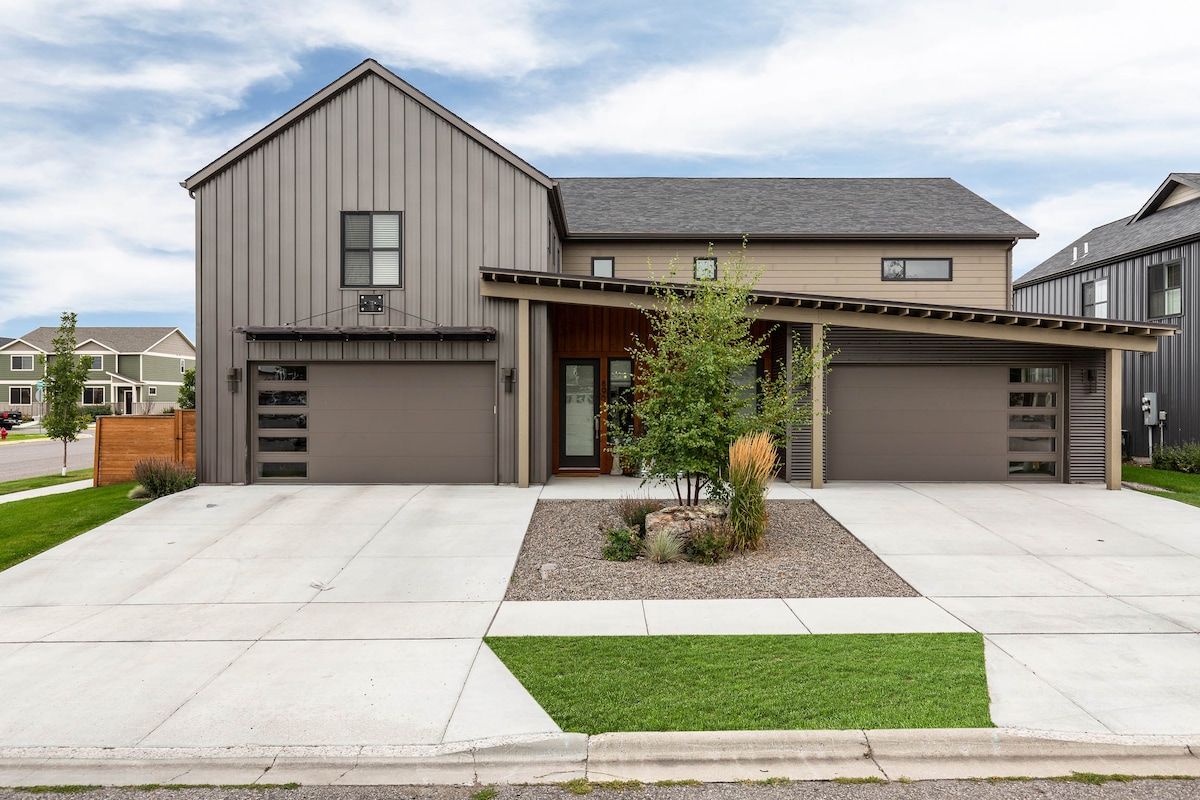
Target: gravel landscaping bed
[(806, 554)]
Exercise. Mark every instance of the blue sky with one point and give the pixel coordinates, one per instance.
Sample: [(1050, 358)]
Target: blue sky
[(1066, 114)]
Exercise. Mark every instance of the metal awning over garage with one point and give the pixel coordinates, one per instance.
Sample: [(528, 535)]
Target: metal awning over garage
[(366, 333)]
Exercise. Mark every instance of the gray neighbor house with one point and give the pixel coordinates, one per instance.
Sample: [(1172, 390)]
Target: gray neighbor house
[(1141, 267), (387, 295)]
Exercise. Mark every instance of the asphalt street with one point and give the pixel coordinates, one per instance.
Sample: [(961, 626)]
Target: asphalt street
[(34, 459)]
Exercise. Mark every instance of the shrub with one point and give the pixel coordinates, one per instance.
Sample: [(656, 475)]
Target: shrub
[(708, 545), (97, 411), (633, 510), (751, 468), (623, 544), (663, 547), (162, 477), (1178, 458)]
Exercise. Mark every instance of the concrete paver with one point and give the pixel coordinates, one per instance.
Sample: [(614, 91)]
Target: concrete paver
[(875, 615), (720, 617), (1056, 615)]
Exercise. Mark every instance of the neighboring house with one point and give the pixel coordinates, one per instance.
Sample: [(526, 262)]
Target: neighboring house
[(387, 295), (1141, 267), (134, 370)]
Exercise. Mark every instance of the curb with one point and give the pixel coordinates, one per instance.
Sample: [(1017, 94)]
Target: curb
[(711, 757)]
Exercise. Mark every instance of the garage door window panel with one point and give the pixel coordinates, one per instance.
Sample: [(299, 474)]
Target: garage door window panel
[(282, 398), (282, 469), (288, 444), (287, 421), (1033, 440), (270, 373)]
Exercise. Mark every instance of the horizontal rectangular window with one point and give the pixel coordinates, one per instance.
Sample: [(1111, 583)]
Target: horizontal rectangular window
[(291, 444), (93, 395), (282, 398), (282, 469), (918, 269), (288, 421), (1031, 444), (1032, 399), (22, 363), (20, 395), (1033, 468), (603, 266), (286, 372), (1033, 375), (1036, 422)]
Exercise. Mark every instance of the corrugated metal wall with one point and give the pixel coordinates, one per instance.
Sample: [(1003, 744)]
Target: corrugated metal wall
[(1085, 399), (1174, 371), (269, 252)]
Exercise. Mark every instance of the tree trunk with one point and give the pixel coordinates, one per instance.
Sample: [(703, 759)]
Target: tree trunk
[(64, 469)]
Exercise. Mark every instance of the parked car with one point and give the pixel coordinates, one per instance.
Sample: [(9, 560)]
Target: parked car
[(11, 419)]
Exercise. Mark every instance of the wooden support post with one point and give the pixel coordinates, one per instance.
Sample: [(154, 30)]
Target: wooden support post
[(1112, 420), (818, 407), (523, 389)]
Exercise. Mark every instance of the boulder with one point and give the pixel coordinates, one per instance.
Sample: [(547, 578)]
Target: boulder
[(683, 521)]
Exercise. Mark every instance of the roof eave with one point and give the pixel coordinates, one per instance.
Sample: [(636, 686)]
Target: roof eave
[(991, 236), (1108, 261)]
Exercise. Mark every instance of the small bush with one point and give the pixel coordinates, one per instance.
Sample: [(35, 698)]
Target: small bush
[(139, 492), (162, 477), (663, 547), (633, 510), (97, 411), (709, 545), (1178, 458), (623, 544), (751, 468)]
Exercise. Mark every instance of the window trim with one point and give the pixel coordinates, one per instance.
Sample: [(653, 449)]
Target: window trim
[(93, 357), (12, 389), (12, 363), (94, 402), (612, 264), (372, 249), (883, 273), (696, 268), (152, 391), (1093, 283), (1165, 267)]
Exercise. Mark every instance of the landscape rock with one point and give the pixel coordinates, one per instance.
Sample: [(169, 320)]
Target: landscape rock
[(685, 521)]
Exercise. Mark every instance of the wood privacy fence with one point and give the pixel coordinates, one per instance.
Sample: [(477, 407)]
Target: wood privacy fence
[(123, 441)]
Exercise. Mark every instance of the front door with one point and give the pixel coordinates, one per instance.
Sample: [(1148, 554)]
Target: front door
[(125, 397), (578, 413)]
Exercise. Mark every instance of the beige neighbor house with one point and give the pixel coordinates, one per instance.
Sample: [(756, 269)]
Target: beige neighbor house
[(134, 370), (385, 294)]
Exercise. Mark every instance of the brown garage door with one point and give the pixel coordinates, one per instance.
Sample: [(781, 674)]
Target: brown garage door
[(942, 423), (375, 422)]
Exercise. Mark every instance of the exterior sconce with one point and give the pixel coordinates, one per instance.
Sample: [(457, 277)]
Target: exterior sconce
[(1089, 375), (510, 376), (233, 377)]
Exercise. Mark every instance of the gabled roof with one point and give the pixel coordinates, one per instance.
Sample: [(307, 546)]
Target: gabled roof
[(801, 208), (366, 68), (5, 340), (121, 340), (1125, 237), (1173, 182)]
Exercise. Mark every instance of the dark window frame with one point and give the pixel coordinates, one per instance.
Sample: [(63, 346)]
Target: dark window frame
[(26, 391), (1089, 306), (696, 268), (612, 264), (372, 249), (1165, 268), (93, 401), (883, 270)]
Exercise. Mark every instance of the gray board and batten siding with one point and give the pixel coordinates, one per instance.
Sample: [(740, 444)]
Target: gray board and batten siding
[(1173, 371), (1082, 415), (268, 243)]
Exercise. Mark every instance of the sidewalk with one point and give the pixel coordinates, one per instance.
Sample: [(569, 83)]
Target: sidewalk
[(61, 488)]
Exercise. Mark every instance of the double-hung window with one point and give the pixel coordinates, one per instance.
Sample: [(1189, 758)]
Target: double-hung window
[(371, 242), (1095, 298), (1166, 289)]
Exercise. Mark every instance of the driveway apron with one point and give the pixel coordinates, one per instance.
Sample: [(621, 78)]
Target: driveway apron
[(278, 616)]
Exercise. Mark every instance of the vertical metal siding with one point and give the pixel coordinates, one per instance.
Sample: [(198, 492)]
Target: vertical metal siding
[(268, 243), (1173, 372)]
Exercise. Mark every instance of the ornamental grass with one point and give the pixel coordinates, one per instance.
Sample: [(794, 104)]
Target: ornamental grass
[(751, 469)]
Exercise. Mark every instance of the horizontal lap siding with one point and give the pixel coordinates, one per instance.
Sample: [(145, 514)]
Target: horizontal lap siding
[(269, 252), (121, 442), (844, 269)]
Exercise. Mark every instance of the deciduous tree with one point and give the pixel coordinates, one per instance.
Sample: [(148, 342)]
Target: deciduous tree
[(66, 375)]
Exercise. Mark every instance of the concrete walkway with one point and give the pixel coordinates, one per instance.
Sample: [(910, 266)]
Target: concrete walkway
[(61, 488)]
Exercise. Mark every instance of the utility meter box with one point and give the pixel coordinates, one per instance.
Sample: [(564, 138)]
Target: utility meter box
[(1150, 408)]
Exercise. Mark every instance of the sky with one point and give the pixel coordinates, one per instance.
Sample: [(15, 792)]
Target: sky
[(1065, 114)]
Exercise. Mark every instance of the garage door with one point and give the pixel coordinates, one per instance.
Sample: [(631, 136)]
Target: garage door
[(374, 422), (944, 423)]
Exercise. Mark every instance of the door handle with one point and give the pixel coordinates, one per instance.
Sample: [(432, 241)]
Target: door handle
[(596, 426)]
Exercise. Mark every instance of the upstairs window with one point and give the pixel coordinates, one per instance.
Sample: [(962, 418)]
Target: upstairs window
[(96, 363), (918, 269), (21, 363), (704, 268), (603, 266), (1166, 289), (1095, 298), (371, 248)]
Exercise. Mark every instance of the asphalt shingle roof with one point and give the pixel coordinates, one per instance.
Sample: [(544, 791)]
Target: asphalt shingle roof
[(123, 340), (788, 207), (1121, 238)]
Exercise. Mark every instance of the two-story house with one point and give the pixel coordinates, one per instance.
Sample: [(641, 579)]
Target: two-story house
[(133, 370), (386, 294), (1140, 267)]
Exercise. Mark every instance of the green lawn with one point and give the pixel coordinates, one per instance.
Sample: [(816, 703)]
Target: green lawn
[(1179, 485), (25, 437), (29, 527), (691, 683), (8, 487)]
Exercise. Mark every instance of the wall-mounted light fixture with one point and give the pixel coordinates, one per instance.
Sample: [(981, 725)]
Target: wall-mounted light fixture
[(1089, 375), (233, 378), (510, 377)]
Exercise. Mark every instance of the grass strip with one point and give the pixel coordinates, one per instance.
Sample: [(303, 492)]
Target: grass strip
[(24, 484), (600, 684), (1177, 485), (29, 527)]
